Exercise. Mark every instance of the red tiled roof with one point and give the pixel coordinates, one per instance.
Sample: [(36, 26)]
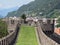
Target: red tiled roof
[(57, 31)]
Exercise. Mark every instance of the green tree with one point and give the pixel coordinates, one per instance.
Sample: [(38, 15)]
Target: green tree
[(58, 25), (58, 21), (3, 29), (23, 17)]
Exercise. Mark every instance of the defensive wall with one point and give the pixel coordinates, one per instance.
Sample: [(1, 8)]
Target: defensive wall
[(42, 29), (13, 28)]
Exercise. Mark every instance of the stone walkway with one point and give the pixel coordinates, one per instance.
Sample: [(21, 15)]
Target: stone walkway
[(37, 36)]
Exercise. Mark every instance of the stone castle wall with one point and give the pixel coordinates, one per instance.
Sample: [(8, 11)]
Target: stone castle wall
[(7, 40), (44, 39)]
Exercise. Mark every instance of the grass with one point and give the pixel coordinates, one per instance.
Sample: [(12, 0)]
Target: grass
[(27, 36)]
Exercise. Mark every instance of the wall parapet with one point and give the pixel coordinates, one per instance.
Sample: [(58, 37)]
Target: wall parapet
[(44, 39), (9, 38)]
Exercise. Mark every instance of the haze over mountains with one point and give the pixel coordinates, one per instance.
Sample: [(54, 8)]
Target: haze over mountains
[(35, 7), (4, 12)]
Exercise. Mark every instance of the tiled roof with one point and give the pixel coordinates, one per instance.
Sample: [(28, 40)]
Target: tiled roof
[(57, 31)]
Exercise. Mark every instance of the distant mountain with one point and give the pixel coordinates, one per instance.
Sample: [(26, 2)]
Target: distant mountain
[(4, 12), (1, 16), (35, 7)]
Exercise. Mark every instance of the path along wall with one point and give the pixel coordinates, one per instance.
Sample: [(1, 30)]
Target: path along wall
[(44, 39)]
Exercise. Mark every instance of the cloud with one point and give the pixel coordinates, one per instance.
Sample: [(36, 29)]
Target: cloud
[(8, 4), (1, 5), (12, 3)]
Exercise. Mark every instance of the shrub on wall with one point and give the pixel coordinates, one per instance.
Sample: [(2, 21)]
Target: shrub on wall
[(3, 29), (58, 25), (58, 21)]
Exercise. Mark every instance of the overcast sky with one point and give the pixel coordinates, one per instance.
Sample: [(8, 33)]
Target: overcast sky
[(5, 4)]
